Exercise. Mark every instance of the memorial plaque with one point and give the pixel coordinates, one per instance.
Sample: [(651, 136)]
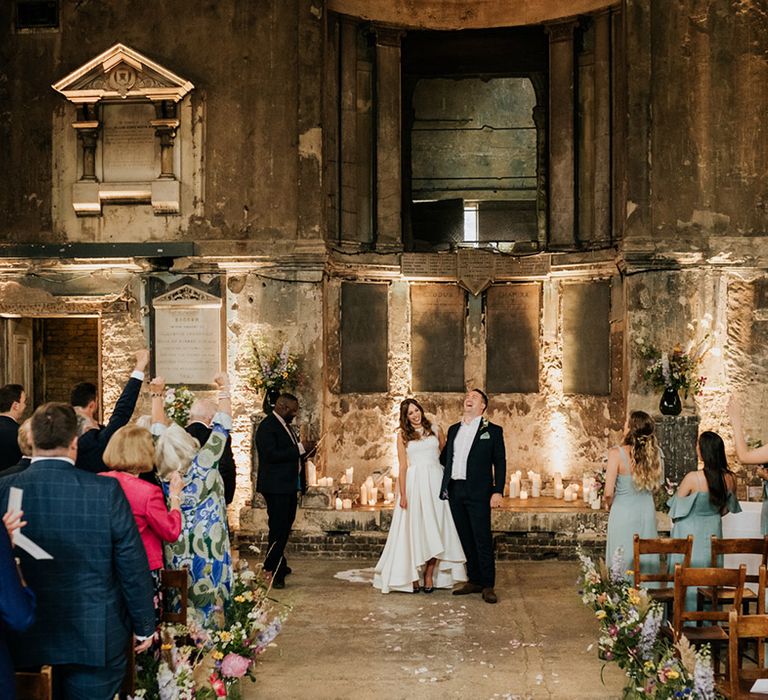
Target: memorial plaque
[(364, 334), (476, 270), (428, 265), (512, 345), (187, 336), (437, 337), (586, 337), (129, 143)]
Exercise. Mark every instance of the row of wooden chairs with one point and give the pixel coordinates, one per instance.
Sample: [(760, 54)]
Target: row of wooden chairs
[(38, 685)]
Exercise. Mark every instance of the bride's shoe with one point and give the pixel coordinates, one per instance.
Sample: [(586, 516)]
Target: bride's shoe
[(416, 588), (428, 588)]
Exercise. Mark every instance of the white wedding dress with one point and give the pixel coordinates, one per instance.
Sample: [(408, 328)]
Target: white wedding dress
[(423, 530)]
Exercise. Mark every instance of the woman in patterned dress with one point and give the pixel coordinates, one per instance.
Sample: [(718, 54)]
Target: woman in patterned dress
[(203, 546)]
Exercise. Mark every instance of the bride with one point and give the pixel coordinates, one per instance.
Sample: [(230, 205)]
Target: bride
[(423, 545)]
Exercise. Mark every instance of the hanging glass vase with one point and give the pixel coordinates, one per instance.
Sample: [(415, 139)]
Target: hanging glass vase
[(670, 404), (270, 399)]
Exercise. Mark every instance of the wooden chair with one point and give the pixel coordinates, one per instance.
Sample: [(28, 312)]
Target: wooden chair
[(666, 546), (716, 579), (740, 680), (736, 545), (35, 685)]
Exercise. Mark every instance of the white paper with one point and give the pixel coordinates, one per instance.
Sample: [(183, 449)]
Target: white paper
[(22, 541), (760, 686)]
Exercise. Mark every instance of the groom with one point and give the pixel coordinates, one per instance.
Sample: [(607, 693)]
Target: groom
[(475, 468)]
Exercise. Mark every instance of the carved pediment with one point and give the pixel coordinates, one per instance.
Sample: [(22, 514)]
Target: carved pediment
[(122, 73), (186, 295)]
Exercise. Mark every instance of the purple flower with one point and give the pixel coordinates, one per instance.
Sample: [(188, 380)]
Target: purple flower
[(649, 633), (234, 665), (617, 565), (704, 679)]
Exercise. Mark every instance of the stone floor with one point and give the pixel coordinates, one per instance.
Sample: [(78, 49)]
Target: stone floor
[(344, 639)]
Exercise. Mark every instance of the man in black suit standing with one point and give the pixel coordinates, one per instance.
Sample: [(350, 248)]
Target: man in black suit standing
[(199, 427), (13, 402), (280, 459), (94, 437), (475, 469), (96, 591)]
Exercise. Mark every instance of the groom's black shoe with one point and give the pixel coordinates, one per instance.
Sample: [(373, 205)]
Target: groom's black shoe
[(489, 595), (467, 588)]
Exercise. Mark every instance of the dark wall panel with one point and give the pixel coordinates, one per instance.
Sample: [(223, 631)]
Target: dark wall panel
[(363, 337), (586, 338), (437, 337), (512, 346)]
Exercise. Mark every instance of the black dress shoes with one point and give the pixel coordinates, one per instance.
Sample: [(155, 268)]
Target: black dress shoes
[(489, 595), (467, 588)]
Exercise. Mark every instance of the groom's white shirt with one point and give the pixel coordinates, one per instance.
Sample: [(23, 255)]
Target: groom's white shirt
[(461, 447)]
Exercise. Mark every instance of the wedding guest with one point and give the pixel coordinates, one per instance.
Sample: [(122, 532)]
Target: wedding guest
[(17, 602), (635, 470), (757, 456), (199, 427), (96, 588), (93, 438), (702, 498), (423, 545), (203, 546), (13, 403), (473, 483), (131, 452), (24, 440)]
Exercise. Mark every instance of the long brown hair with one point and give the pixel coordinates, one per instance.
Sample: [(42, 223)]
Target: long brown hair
[(644, 450), (406, 429)]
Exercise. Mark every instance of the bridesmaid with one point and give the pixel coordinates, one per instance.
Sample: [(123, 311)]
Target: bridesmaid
[(635, 470), (702, 498), (746, 456)]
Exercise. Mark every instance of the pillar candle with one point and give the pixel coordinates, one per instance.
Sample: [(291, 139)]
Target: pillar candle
[(390, 497), (536, 485), (373, 496), (339, 504), (387, 484), (523, 495), (346, 504), (558, 480), (514, 487), (595, 504), (587, 494), (311, 473), (369, 482), (559, 490), (363, 495), (350, 474)]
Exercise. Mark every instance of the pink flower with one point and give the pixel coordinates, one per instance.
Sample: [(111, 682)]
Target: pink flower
[(234, 665), (218, 686)]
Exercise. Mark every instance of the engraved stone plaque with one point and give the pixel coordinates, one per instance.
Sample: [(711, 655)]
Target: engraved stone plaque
[(428, 265), (586, 337), (129, 143), (512, 346), (437, 337), (476, 270), (187, 336), (364, 337)]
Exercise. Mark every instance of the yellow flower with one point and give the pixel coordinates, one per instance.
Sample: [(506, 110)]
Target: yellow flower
[(225, 636), (167, 647), (634, 596), (601, 614), (673, 674), (217, 655), (239, 599)]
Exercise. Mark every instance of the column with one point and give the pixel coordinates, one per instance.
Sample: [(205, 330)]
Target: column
[(602, 181), (87, 127), (348, 132), (561, 137), (165, 124), (388, 140)]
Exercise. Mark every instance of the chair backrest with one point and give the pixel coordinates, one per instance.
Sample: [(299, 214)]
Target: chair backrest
[(744, 627), (35, 685), (173, 582), (660, 545), (740, 545), (707, 578)]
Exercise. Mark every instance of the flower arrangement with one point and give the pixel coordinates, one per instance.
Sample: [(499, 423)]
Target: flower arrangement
[(178, 401), (272, 370), (662, 495), (630, 635), (196, 663)]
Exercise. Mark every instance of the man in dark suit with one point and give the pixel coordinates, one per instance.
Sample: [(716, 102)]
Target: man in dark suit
[(13, 402), (475, 468), (94, 437), (199, 427), (97, 589), (280, 453), (25, 445)]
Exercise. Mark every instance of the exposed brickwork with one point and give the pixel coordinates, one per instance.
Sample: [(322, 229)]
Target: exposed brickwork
[(71, 351)]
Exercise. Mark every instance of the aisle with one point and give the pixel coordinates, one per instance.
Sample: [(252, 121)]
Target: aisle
[(346, 640)]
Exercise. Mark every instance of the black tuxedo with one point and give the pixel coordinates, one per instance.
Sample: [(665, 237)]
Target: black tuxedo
[(278, 482), (10, 453), (91, 445), (201, 432), (470, 498)]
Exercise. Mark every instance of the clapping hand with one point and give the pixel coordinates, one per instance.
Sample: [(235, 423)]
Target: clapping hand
[(175, 485), (157, 385), (222, 381)]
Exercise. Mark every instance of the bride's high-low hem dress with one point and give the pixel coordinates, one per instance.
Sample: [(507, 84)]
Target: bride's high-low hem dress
[(423, 530)]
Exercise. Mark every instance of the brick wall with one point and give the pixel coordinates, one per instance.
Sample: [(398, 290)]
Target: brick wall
[(71, 354)]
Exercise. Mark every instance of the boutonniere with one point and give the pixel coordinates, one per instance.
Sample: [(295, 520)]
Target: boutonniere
[(484, 424), (483, 428)]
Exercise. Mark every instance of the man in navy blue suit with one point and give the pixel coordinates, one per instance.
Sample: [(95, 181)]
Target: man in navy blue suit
[(96, 591), (475, 466)]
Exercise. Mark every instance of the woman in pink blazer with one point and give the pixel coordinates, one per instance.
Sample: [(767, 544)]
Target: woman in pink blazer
[(130, 452)]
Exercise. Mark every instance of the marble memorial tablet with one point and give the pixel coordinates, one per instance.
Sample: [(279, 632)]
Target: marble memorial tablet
[(437, 337), (586, 337), (512, 345), (187, 336), (129, 143), (364, 333)]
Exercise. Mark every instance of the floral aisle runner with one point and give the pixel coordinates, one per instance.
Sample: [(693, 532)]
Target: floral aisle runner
[(197, 663), (631, 636)]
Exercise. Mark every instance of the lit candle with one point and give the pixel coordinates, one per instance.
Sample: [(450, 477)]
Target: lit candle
[(350, 474), (595, 503), (311, 473), (373, 496), (558, 480), (369, 482), (587, 494), (346, 504), (390, 497), (363, 495), (514, 485), (339, 504), (536, 485), (523, 495), (387, 484), (559, 490)]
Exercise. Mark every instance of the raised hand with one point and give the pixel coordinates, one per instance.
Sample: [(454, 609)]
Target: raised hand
[(157, 385), (175, 485), (222, 380), (142, 359)]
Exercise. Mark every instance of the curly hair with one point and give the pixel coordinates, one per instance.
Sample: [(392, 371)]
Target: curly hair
[(644, 451), (406, 429)]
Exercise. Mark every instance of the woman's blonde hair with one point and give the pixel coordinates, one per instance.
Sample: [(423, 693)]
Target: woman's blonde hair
[(174, 451), (130, 449), (24, 438), (644, 451)]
